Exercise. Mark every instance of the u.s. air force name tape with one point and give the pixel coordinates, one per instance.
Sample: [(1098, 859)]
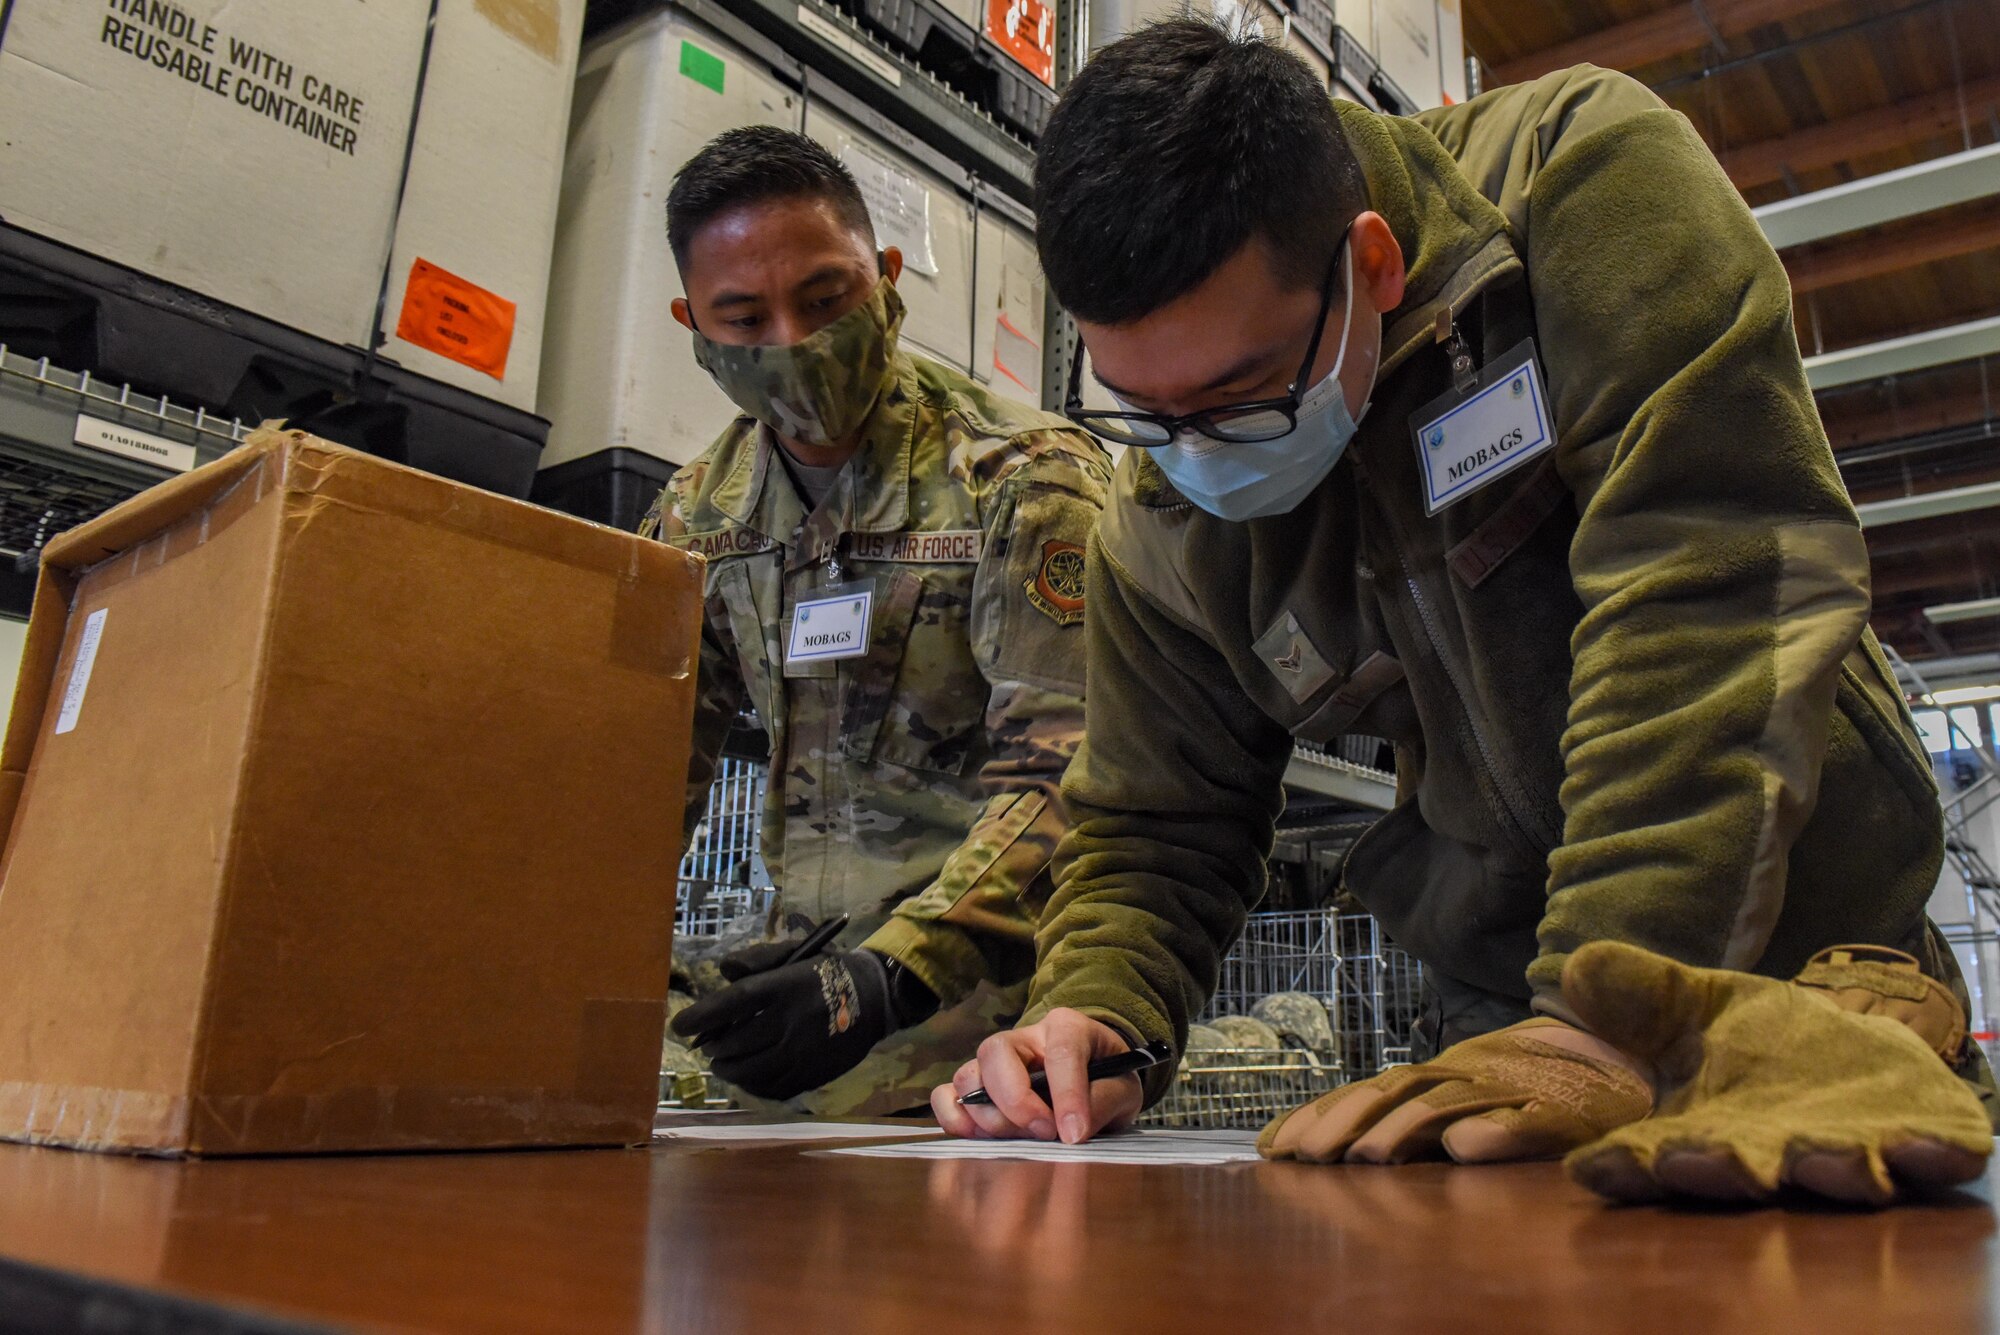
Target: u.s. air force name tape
[(945, 546), (949, 546)]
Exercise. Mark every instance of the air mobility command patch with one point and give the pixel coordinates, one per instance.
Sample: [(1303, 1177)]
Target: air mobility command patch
[(1057, 587)]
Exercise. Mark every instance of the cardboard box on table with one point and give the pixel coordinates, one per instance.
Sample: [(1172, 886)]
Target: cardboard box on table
[(343, 814)]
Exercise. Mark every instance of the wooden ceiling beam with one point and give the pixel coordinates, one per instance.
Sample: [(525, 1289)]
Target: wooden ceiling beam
[(1879, 131), (1956, 545), (1882, 491), (1938, 579), (1642, 41), (1852, 430), (1887, 252)]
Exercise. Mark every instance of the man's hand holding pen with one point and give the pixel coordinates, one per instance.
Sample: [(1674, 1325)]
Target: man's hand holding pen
[(1038, 1081)]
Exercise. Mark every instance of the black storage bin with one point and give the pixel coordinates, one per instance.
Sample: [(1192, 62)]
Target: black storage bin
[(944, 44), (614, 487), (86, 313)]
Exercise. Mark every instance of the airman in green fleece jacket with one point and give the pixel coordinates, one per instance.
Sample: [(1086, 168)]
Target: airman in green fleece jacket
[(1586, 560)]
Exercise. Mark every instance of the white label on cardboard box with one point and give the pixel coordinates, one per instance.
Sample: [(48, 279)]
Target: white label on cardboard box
[(898, 205), (79, 675), (96, 434)]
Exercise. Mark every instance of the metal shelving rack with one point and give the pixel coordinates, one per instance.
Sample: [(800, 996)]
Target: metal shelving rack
[(1369, 987), (48, 482), (722, 876), (1965, 825), (1325, 773), (835, 48)]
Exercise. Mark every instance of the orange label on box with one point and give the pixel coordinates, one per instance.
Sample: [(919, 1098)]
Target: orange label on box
[(1025, 30), (456, 319)]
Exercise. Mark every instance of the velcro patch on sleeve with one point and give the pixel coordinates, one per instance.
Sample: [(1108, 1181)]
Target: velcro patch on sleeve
[(945, 547), (1056, 589)]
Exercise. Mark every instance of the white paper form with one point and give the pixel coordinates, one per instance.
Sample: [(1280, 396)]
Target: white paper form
[(1185, 1148), (898, 205), (789, 1131)]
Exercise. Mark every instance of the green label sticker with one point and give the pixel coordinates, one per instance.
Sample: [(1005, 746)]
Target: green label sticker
[(702, 66)]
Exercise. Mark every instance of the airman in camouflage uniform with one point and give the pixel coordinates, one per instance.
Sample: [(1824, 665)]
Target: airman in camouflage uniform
[(914, 787)]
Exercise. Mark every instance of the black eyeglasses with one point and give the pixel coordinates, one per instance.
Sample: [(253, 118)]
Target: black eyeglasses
[(1233, 424)]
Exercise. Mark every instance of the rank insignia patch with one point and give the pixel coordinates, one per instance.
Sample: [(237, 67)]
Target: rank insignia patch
[(1057, 588)]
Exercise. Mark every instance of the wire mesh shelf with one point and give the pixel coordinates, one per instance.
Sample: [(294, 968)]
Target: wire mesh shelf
[(722, 878), (691, 1091), (39, 500), (1369, 986), (707, 907), (48, 483), (1241, 1088)]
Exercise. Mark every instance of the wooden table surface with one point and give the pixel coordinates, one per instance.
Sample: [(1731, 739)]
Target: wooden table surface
[(711, 1239)]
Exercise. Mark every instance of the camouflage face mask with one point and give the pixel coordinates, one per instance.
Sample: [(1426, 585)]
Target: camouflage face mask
[(818, 390)]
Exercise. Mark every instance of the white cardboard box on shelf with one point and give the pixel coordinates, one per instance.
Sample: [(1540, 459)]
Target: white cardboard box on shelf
[(1010, 301), (1407, 43), (915, 210), (1451, 49), (1358, 17), (618, 371), (252, 152), (485, 175)]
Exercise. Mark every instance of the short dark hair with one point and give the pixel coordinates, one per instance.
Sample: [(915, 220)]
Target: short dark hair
[(1173, 148), (755, 163)]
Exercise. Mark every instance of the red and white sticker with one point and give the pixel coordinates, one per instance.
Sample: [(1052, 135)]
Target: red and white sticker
[(1025, 30), (457, 319)]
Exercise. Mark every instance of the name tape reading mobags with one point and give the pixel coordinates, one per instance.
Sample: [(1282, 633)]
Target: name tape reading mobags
[(1469, 438), (829, 628), (108, 437)]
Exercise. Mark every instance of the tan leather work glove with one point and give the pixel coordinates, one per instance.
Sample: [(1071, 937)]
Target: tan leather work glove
[(1533, 1090), (1833, 1084)]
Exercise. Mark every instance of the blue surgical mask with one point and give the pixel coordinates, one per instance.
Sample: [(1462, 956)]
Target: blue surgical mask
[(1236, 481)]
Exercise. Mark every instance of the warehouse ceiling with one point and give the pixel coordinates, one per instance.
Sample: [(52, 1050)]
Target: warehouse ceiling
[(1798, 97)]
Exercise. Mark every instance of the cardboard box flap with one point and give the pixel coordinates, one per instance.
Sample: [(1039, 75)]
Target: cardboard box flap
[(132, 522), (321, 472), (321, 469), (658, 585), (118, 530), (47, 622)]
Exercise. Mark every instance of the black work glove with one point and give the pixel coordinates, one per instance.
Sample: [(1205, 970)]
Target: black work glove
[(782, 1029)]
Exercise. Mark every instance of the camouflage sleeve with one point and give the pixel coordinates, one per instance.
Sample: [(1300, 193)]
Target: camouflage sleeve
[(719, 691), (978, 918)]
